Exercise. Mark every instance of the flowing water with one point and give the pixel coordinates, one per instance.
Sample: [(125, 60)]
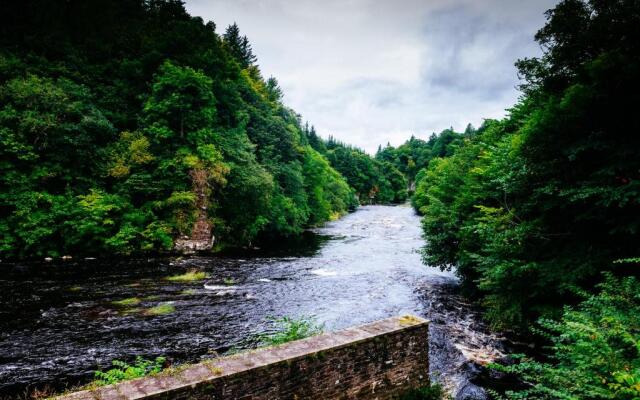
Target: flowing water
[(59, 322)]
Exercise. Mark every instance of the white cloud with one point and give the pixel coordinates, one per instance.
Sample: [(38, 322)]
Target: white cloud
[(376, 71)]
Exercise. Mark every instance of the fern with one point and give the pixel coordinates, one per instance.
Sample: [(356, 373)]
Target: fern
[(123, 371)]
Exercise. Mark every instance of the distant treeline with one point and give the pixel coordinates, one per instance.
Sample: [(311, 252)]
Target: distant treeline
[(415, 154), (375, 181), (117, 116)]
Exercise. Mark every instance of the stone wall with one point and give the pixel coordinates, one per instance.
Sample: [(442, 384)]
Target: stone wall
[(375, 361)]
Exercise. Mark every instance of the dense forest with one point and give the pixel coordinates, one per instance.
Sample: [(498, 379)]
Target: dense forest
[(127, 124), (412, 157), (375, 181), (541, 210)]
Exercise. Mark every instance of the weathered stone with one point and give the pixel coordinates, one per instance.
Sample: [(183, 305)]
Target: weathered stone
[(201, 238), (188, 246), (380, 361)]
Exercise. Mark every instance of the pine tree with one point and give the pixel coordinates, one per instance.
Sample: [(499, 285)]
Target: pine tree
[(274, 90), (246, 53), (239, 46)]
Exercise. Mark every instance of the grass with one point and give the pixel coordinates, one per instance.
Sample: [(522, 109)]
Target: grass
[(229, 281), (189, 276), (188, 292), (160, 309), (130, 311), (290, 329), (128, 302)]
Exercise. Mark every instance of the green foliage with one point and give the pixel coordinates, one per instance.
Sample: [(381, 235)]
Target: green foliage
[(110, 138), (239, 46), (160, 309), (290, 329), (533, 206), (594, 352), (181, 104), (123, 371), (128, 302), (328, 194), (415, 154), (189, 276), (373, 181)]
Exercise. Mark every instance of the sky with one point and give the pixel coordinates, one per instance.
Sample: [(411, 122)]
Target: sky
[(373, 72)]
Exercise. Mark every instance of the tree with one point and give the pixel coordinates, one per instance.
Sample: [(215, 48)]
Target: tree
[(239, 46), (594, 349), (181, 102), (533, 206), (122, 123), (49, 133), (274, 90)]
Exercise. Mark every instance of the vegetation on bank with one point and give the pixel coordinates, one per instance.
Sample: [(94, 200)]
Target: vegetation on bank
[(122, 123), (533, 208), (595, 349)]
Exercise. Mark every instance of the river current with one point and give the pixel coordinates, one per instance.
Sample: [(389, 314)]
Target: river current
[(59, 322)]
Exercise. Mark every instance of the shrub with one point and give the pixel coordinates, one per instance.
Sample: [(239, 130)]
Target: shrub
[(123, 371), (290, 329), (595, 349)]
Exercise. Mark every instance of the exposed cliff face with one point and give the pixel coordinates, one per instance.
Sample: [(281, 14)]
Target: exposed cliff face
[(201, 237)]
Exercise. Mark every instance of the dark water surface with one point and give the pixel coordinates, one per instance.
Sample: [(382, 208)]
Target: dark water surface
[(58, 323)]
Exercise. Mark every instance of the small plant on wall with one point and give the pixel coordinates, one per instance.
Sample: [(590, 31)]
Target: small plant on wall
[(123, 371), (289, 329)]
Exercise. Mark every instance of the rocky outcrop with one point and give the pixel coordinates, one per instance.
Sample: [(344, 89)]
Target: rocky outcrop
[(201, 238)]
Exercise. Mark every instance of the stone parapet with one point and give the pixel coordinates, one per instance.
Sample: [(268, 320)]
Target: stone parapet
[(379, 361)]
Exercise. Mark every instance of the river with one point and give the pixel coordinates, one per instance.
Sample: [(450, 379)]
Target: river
[(59, 322)]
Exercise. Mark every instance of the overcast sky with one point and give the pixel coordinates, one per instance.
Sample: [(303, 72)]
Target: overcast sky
[(376, 71)]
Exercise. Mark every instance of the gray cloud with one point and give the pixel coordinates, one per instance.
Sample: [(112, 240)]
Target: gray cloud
[(376, 71)]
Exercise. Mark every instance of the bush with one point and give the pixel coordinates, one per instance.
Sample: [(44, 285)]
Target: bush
[(123, 371), (595, 349), (290, 329)]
